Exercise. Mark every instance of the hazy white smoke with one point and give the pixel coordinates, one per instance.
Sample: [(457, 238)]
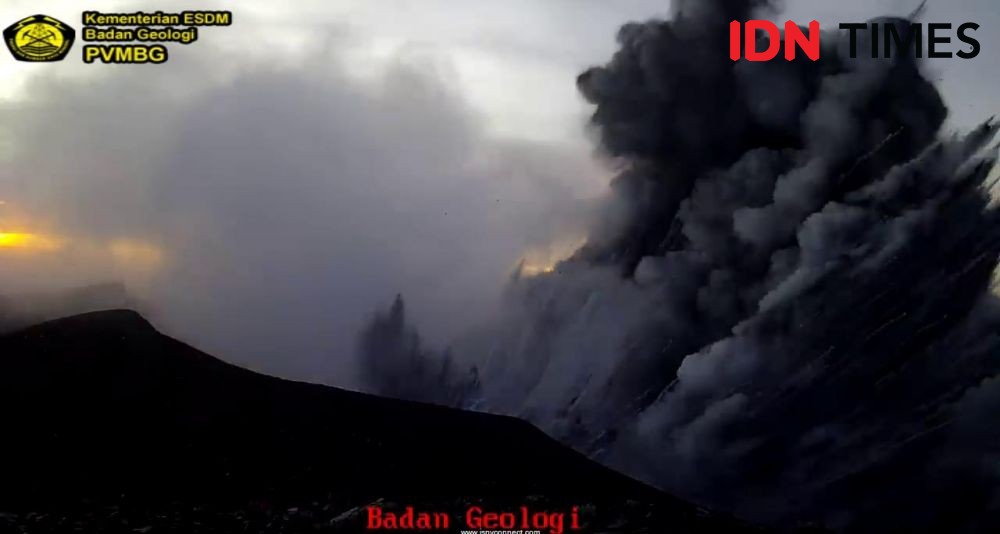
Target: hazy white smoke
[(259, 212)]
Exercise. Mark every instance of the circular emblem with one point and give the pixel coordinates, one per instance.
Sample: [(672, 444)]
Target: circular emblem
[(39, 38)]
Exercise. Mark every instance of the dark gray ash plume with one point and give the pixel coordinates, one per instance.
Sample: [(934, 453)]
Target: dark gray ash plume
[(787, 311), (397, 363)]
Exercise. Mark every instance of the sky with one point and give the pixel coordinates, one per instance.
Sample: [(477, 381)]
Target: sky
[(276, 182)]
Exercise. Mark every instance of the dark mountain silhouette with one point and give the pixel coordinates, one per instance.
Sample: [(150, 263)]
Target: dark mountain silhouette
[(110, 426), (21, 310)]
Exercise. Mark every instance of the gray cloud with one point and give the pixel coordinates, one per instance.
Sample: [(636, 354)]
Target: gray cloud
[(779, 294), (287, 200), (762, 322)]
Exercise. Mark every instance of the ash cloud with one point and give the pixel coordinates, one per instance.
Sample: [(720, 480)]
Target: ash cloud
[(284, 200), (787, 311)]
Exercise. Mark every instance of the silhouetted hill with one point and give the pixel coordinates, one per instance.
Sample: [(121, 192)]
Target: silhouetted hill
[(25, 309), (108, 424)]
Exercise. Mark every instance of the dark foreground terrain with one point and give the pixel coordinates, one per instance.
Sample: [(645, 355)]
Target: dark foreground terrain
[(109, 426)]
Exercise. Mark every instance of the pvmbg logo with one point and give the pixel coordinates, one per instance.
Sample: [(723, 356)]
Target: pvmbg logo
[(39, 38)]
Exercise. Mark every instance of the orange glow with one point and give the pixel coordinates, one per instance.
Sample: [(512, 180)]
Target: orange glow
[(543, 260), (29, 242), (136, 254), (532, 269)]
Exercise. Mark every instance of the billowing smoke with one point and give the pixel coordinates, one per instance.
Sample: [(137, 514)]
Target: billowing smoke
[(786, 310), (257, 206)]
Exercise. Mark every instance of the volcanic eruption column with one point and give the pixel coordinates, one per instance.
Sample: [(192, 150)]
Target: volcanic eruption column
[(785, 309)]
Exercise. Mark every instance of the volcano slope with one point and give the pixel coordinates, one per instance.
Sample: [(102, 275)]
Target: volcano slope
[(110, 426), (786, 306)]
